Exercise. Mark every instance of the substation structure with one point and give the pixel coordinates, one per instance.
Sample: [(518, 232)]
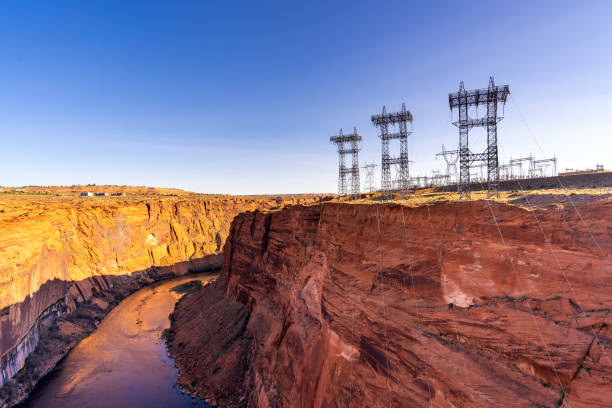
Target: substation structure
[(348, 144), (523, 168), (515, 168), (450, 157), (462, 101), (369, 181), (400, 120)]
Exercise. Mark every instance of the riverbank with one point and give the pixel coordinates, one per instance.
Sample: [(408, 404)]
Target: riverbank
[(58, 337), (59, 251), (125, 354)]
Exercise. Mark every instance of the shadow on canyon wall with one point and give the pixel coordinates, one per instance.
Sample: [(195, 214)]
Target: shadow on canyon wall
[(33, 342)]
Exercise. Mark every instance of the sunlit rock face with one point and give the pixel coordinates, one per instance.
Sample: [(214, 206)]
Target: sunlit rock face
[(387, 305), (64, 249)]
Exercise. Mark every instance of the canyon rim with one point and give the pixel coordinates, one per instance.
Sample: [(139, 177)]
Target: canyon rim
[(450, 304)]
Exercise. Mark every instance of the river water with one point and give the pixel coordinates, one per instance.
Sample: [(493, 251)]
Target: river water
[(124, 363)]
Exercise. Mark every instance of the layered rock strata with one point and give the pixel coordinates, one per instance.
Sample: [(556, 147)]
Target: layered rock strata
[(465, 304), (56, 252)]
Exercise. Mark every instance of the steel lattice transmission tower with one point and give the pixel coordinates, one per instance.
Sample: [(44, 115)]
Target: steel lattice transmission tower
[(450, 157), (383, 121), (348, 144), (369, 184), (462, 100)]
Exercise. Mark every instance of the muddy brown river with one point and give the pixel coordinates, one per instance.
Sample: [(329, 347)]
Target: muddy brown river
[(124, 363)]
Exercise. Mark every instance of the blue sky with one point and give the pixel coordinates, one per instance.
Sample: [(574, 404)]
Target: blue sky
[(241, 97)]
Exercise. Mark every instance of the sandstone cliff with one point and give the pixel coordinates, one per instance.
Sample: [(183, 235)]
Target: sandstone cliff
[(450, 305), (58, 250)]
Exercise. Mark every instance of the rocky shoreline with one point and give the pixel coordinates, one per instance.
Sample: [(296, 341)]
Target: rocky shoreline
[(71, 322), (222, 332)]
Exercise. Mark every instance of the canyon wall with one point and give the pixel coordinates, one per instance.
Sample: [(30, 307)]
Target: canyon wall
[(464, 304), (55, 251)]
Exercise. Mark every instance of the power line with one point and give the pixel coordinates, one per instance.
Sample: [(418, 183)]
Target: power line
[(560, 182), (518, 279), (382, 293), (416, 306)]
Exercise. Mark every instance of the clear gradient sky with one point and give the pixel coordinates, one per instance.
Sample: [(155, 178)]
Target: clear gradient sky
[(241, 97)]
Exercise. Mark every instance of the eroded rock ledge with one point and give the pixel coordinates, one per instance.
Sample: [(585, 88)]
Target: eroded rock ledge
[(385, 305)]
